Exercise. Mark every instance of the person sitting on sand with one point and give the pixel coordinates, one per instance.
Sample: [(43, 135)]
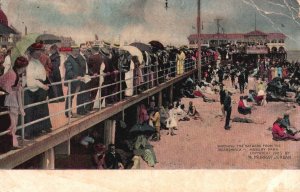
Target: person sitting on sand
[(260, 90), (243, 107), (280, 134), (192, 112), (199, 93), (251, 96), (182, 114), (285, 123)]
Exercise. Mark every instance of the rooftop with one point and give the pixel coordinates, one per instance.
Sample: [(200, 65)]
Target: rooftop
[(232, 36)]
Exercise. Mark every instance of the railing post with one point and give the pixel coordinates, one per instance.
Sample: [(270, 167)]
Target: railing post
[(23, 117), (157, 78), (100, 90), (120, 75), (148, 69), (135, 88), (171, 94), (48, 159), (69, 102), (160, 99)]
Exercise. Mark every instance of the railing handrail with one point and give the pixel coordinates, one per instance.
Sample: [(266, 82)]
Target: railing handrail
[(157, 70)]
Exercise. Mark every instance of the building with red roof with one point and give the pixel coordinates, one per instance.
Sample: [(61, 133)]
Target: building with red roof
[(272, 40), (8, 34)]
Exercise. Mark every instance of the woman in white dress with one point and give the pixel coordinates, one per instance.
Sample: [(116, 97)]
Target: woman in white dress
[(129, 80)]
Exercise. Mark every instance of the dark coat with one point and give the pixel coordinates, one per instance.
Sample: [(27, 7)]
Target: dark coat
[(73, 70), (115, 60), (94, 63), (82, 62), (241, 78), (227, 102), (111, 161), (222, 96), (55, 60), (55, 90)]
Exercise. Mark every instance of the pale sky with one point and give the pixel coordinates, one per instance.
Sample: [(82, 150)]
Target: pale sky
[(145, 20)]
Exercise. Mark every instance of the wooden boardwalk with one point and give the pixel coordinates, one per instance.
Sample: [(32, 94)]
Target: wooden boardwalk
[(62, 131)]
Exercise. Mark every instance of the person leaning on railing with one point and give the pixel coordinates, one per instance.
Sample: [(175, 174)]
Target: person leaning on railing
[(11, 83), (36, 92), (75, 72)]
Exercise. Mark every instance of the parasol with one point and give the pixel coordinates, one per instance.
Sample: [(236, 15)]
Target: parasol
[(48, 39), (157, 45), (142, 46), (134, 52), (22, 46), (142, 128)]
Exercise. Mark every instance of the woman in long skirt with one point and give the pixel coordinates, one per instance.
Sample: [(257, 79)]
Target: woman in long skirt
[(37, 92)]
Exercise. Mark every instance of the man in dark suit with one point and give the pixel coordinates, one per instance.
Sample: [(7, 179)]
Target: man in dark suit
[(109, 69), (241, 81), (227, 108), (94, 63), (222, 98), (84, 97), (55, 76), (73, 71), (220, 75)]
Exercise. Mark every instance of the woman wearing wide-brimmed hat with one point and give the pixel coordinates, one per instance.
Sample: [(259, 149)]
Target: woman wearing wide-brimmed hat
[(37, 92)]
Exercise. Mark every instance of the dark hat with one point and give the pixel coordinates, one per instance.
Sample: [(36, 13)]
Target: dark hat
[(20, 62), (104, 51), (96, 47), (37, 46)]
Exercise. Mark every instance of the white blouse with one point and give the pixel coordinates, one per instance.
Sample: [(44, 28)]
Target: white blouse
[(7, 64), (35, 71)]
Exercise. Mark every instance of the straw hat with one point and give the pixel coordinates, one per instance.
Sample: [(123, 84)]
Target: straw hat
[(106, 44), (74, 47), (116, 45)]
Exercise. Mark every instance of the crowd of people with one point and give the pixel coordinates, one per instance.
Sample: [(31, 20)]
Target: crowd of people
[(113, 73), (119, 72)]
